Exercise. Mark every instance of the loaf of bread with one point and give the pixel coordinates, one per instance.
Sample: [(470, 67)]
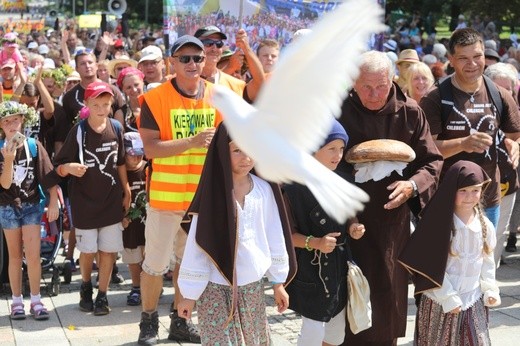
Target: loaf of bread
[(380, 150)]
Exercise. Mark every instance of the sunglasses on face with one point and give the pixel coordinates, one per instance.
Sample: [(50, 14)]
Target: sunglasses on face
[(209, 43), (185, 59)]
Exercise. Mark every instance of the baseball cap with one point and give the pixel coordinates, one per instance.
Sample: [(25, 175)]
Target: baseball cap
[(184, 40), (151, 53), (118, 43), (209, 30), (32, 45), (95, 89), (133, 143), (43, 49), (49, 63), (9, 63)]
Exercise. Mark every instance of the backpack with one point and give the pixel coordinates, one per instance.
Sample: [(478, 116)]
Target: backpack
[(446, 92), (80, 135), (33, 150)]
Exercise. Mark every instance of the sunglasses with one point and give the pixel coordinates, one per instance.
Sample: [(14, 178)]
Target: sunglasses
[(84, 51), (209, 43), (185, 59)]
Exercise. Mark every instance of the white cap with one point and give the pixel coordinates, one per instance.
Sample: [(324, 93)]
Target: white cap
[(151, 53), (32, 45), (49, 63), (43, 49)]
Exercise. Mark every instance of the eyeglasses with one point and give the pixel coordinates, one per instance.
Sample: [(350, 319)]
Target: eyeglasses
[(209, 43), (185, 59)]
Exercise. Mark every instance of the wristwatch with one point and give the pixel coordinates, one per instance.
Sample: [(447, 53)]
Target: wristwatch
[(414, 186)]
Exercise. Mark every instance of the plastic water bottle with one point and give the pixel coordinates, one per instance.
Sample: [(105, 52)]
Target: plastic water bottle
[(43, 230)]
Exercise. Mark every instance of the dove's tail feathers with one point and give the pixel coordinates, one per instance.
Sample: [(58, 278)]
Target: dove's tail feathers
[(338, 198)]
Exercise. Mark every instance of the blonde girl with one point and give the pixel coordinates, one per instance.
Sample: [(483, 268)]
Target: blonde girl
[(451, 257)]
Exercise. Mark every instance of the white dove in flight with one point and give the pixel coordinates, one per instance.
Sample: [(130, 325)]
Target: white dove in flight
[(292, 115)]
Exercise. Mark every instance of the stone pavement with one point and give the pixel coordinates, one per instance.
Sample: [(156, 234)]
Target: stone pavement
[(69, 326)]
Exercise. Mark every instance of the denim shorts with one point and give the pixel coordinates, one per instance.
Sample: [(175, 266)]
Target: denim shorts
[(12, 217)]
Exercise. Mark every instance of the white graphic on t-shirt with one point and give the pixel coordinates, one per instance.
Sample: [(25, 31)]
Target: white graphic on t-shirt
[(491, 127), (102, 166)]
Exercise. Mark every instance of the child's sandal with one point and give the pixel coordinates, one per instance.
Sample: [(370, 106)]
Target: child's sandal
[(39, 311), (17, 311)]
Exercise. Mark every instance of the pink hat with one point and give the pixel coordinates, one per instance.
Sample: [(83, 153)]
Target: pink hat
[(128, 71), (95, 89), (8, 63)]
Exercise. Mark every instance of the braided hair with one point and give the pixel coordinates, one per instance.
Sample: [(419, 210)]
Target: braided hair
[(486, 248)]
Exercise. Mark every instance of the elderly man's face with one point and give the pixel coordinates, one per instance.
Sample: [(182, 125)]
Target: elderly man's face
[(373, 89)]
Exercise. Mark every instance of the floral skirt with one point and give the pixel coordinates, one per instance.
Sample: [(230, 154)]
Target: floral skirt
[(247, 327), (436, 328)]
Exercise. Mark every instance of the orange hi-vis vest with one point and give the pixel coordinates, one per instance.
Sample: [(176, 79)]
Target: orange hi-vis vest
[(175, 179)]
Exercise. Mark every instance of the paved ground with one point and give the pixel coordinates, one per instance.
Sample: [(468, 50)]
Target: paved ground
[(69, 326)]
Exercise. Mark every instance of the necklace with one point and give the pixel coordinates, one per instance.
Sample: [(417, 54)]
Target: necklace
[(471, 95)]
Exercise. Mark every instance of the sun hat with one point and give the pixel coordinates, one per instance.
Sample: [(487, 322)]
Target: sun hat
[(408, 55), (123, 59)]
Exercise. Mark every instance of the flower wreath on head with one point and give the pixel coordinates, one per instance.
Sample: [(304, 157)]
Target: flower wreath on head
[(59, 74), (9, 108)]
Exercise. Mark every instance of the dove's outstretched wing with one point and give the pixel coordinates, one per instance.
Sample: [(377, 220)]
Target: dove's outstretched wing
[(314, 74)]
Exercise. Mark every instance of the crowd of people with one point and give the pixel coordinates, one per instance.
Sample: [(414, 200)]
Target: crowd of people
[(127, 132)]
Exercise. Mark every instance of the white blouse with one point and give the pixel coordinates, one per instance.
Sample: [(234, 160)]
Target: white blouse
[(470, 272), (261, 246)]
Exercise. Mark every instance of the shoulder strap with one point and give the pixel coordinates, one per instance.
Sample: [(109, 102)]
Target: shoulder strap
[(117, 126), (80, 134), (446, 92), (33, 148), (494, 93)]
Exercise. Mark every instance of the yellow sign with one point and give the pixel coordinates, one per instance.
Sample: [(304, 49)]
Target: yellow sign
[(92, 20)]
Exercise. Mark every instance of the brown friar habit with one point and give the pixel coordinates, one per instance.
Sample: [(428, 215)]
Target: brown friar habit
[(388, 230), (216, 209), (426, 253)]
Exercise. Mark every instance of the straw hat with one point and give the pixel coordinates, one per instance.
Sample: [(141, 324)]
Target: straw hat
[(123, 59), (408, 55)]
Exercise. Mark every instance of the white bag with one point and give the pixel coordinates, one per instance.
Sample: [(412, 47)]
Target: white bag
[(359, 309)]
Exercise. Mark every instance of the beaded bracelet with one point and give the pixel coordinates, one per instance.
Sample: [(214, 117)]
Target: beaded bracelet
[(307, 240)]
